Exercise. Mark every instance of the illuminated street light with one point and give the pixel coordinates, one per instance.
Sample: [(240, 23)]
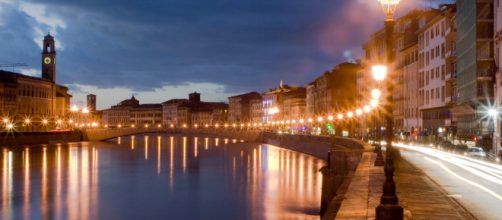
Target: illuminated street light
[(330, 117), (301, 120), (310, 120), (59, 122), (27, 121), (376, 93), (389, 207), (9, 126), (85, 110), (389, 7), (74, 108), (350, 114), (5, 120), (44, 121), (319, 119), (374, 103), (359, 112), (339, 116), (379, 72), (493, 113), (366, 108)]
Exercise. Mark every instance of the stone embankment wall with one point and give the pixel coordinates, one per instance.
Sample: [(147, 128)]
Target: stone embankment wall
[(101, 134), (30, 138)]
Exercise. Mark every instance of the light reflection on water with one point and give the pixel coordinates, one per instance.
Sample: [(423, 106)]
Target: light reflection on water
[(159, 177)]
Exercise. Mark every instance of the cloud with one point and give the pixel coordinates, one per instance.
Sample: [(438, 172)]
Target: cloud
[(30, 72), (144, 46), (43, 20)]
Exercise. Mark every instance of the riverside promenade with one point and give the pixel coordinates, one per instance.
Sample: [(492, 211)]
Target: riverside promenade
[(420, 196)]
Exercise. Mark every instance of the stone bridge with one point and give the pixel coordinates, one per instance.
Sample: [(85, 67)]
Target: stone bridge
[(102, 134)]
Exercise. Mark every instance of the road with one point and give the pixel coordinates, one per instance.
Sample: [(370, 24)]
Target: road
[(475, 184)]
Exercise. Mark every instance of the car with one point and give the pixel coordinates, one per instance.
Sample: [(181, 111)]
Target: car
[(475, 152)]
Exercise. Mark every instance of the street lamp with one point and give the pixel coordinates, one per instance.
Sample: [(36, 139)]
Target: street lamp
[(389, 207), (376, 93), (494, 115), (379, 72)]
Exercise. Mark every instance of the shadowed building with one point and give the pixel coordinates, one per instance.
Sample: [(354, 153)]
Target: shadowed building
[(170, 111), (91, 103), (120, 114), (187, 113), (240, 107)]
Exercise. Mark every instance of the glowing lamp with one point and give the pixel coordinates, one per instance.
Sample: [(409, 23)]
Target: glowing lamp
[(374, 103), (366, 108), (376, 93), (74, 108), (389, 7), (379, 72), (340, 116), (359, 112)]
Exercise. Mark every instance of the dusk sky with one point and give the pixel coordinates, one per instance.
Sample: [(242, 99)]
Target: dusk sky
[(163, 49)]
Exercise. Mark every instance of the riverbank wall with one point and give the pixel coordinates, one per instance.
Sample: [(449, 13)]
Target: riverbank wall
[(38, 138)]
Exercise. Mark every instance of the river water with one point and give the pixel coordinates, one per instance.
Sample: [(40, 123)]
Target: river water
[(159, 176)]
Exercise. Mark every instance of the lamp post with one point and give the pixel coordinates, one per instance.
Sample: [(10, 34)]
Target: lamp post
[(389, 207), (494, 115)]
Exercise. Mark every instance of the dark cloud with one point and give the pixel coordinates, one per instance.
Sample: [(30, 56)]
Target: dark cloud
[(243, 45)]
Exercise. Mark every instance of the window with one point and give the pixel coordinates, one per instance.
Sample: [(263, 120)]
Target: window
[(443, 72), (437, 72), (442, 93), (437, 93), (427, 97)]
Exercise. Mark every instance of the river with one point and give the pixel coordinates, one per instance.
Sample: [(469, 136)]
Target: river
[(159, 176)]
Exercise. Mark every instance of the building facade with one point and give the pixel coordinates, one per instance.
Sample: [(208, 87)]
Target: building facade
[(24, 97), (240, 109), (434, 75), (91, 103), (170, 112), (146, 115), (475, 70), (193, 112), (120, 115)]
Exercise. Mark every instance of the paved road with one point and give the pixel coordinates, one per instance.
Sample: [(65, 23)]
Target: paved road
[(475, 184)]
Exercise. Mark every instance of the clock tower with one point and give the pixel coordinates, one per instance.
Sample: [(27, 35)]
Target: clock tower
[(49, 58)]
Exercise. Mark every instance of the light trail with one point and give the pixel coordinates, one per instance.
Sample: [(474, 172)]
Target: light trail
[(482, 169), (477, 185)]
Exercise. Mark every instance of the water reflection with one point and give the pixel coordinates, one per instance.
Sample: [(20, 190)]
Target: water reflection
[(102, 180)]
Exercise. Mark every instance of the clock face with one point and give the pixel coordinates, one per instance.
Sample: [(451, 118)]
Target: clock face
[(47, 60)]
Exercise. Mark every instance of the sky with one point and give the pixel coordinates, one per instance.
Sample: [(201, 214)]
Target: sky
[(163, 49)]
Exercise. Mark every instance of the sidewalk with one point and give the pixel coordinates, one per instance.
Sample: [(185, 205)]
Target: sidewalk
[(420, 197)]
